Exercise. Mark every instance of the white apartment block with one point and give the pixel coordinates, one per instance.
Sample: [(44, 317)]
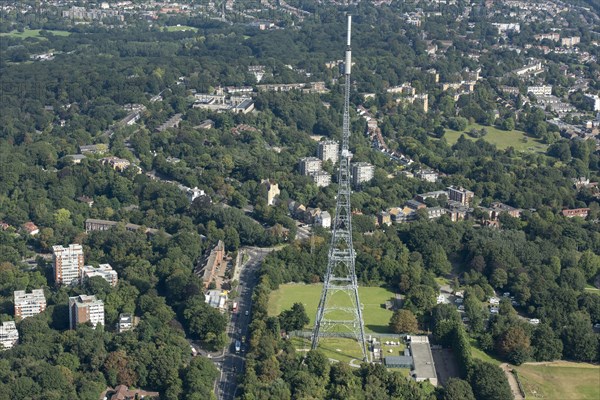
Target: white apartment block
[(362, 172), (68, 263), (328, 150), (321, 178), (104, 271), (9, 336), (84, 309), (570, 41), (544, 90), (507, 27), (310, 165), (29, 304)]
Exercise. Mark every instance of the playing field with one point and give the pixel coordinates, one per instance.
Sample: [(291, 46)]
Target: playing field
[(29, 33), (502, 139), (560, 380), (375, 316)]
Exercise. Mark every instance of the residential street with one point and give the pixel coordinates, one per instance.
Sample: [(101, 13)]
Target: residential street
[(230, 363)]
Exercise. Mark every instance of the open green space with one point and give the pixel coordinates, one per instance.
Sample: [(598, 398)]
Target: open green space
[(560, 380), (181, 28), (341, 349), (479, 354), (592, 289), (33, 33), (372, 299), (502, 139)]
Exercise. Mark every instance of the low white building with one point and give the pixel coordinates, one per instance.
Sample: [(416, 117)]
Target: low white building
[(494, 300), (104, 271), (216, 299), (126, 322), (9, 336), (324, 219), (543, 90)]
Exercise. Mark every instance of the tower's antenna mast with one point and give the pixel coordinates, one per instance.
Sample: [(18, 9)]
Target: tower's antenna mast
[(340, 278)]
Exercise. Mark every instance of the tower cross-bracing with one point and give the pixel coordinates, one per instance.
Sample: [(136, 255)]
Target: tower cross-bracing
[(339, 312)]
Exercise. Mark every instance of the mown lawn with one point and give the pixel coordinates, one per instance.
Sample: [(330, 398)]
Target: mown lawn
[(341, 349), (29, 33), (560, 380), (376, 317), (502, 139)]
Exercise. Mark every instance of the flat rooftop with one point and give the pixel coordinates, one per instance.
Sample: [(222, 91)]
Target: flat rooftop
[(423, 359)]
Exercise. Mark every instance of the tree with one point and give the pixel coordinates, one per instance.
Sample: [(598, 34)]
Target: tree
[(318, 364), (445, 320), (514, 345), (508, 124), (580, 342), (546, 345), (119, 369), (420, 299), (589, 263), (489, 382), (294, 319), (201, 319), (404, 321), (457, 389)]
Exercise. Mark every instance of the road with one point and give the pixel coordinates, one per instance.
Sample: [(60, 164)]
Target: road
[(230, 363)]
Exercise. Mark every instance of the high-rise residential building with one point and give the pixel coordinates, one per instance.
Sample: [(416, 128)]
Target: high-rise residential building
[(362, 172), (9, 335), (29, 304), (104, 271), (328, 150), (84, 309), (310, 165), (460, 195), (68, 263)]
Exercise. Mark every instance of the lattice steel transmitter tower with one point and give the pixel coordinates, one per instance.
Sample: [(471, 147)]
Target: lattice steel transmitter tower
[(332, 318)]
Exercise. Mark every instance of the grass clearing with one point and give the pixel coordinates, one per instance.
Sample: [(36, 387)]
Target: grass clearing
[(341, 349), (502, 139), (479, 354), (33, 33), (592, 289), (375, 316), (560, 380), (181, 28)]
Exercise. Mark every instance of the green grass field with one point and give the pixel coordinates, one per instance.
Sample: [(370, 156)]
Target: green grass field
[(560, 380), (502, 139), (341, 349), (33, 33), (375, 316), (181, 28), (479, 354), (592, 289)]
